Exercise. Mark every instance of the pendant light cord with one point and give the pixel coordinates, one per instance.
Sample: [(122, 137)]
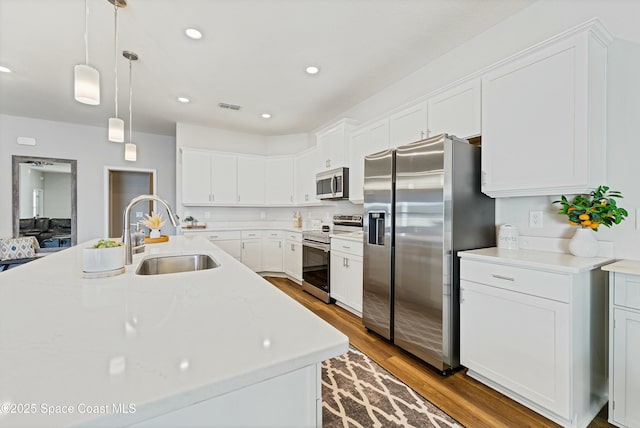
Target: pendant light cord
[(130, 97), (86, 32), (115, 52)]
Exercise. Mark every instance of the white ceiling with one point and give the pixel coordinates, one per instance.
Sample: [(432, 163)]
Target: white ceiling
[(253, 54)]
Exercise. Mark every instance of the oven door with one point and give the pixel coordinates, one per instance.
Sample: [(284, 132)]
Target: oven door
[(315, 269)]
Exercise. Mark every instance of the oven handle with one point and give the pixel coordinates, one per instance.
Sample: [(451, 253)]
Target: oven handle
[(322, 247)]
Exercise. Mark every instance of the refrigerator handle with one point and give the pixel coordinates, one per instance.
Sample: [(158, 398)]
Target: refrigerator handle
[(376, 228)]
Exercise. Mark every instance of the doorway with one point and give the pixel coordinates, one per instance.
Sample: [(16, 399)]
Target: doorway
[(122, 186)]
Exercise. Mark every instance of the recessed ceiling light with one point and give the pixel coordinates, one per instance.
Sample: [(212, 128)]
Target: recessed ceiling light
[(192, 33), (266, 115), (5, 69), (184, 100), (312, 69)]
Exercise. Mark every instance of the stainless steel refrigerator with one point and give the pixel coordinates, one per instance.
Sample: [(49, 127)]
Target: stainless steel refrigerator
[(422, 204)]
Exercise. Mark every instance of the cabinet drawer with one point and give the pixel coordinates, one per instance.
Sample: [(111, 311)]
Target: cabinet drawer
[(251, 234), (346, 246), (549, 285), (293, 236), (627, 291), (223, 235), (273, 234)]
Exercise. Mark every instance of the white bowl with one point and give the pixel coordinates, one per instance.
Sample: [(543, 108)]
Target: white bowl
[(102, 259)]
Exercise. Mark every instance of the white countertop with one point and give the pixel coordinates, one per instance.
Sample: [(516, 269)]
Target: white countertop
[(240, 228), (557, 262), (351, 236), (631, 267), (159, 342)]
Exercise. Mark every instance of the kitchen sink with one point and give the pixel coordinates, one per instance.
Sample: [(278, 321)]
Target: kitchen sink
[(160, 265)]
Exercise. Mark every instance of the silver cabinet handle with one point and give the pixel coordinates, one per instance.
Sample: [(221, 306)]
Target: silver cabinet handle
[(243, 245), (279, 244), (213, 236), (344, 262), (292, 249), (347, 260), (506, 278), (306, 197), (345, 247)]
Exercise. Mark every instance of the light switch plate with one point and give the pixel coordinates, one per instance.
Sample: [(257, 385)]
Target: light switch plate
[(535, 219), (138, 214)]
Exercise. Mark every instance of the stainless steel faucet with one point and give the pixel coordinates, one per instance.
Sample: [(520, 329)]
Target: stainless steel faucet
[(126, 222)]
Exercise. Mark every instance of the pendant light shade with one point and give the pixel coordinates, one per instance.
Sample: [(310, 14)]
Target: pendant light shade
[(130, 152), (86, 86), (116, 130), (116, 125)]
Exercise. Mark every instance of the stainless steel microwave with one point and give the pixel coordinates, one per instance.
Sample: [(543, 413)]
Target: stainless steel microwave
[(333, 184)]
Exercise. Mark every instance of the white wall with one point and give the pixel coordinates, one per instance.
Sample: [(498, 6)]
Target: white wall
[(57, 197), (29, 180), (90, 147)]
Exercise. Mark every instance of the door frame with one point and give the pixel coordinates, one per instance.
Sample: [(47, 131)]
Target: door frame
[(107, 170)]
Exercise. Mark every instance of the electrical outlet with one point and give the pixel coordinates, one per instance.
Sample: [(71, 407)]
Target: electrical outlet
[(207, 214), (263, 214), (535, 219), (637, 218), (138, 214)]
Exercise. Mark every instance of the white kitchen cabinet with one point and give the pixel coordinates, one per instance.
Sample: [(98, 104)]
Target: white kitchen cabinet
[(543, 117), (251, 182), (624, 343), (307, 165), (252, 250), (370, 139), (532, 326), (346, 274), (293, 255), (456, 111), (272, 251), (408, 125), (333, 145), (208, 178), (279, 179)]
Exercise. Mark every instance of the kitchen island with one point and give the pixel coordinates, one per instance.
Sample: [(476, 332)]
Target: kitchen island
[(216, 347)]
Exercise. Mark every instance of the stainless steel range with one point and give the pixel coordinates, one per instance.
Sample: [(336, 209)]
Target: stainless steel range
[(316, 246)]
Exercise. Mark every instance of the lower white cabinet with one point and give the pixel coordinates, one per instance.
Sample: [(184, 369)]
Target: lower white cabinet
[(230, 241), (624, 344), (252, 250), (293, 256), (346, 274), (536, 334), (272, 251)]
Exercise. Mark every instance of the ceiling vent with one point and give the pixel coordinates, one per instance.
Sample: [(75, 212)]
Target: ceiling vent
[(229, 106)]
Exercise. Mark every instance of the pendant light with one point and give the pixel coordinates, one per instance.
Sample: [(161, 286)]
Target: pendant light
[(86, 85), (130, 150), (116, 125)]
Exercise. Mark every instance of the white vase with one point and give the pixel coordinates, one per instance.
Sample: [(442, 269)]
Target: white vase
[(584, 243), (154, 233)]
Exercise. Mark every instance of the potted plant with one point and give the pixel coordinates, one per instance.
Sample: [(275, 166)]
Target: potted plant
[(154, 222), (193, 222), (588, 213)]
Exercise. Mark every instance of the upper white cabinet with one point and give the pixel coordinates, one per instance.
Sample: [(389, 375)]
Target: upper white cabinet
[(332, 144), (408, 125), (456, 111), (543, 117), (307, 166), (279, 189), (251, 180), (369, 139), (208, 178)]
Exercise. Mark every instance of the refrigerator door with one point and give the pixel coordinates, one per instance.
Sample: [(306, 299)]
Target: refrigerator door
[(422, 249), (378, 243)]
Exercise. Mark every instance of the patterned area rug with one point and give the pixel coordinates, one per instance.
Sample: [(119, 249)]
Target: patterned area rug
[(358, 393)]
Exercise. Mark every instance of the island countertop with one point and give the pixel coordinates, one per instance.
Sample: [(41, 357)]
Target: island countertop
[(158, 343)]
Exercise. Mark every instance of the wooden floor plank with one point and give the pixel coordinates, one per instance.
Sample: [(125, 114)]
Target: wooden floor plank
[(472, 403)]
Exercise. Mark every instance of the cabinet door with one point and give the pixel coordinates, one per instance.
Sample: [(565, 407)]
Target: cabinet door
[(626, 368), (231, 247), (543, 121), (272, 255), (293, 259), (456, 111), (252, 254), (339, 279), (371, 139), (223, 178), (354, 282), (196, 178), (279, 181), (332, 145), (307, 166), (251, 175), (518, 341), (408, 125)]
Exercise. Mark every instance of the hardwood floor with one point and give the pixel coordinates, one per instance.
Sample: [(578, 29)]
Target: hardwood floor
[(468, 401)]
